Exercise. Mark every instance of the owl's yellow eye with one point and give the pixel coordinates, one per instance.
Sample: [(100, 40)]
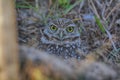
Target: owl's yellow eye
[(70, 29), (52, 27)]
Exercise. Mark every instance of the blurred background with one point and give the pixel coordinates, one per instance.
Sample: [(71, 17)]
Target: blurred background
[(99, 22)]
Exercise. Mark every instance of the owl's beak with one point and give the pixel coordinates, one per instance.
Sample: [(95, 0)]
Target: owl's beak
[(61, 35)]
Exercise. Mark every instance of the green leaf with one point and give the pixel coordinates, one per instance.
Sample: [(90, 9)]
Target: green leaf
[(25, 5), (22, 6), (63, 2), (100, 24), (70, 7)]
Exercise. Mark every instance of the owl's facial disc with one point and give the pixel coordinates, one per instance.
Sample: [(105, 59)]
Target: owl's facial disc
[(61, 31)]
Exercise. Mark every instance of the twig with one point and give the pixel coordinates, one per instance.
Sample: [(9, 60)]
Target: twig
[(118, 5), (110, 38), (112, 22), (99, 4), (94, 8), (81, 5), (36, 4), (110, 2)]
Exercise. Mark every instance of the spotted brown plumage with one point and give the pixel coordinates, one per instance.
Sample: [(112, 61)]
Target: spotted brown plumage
[(61, 37)]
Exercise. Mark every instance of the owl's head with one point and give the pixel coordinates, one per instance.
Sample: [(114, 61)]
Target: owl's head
[(60, 31)]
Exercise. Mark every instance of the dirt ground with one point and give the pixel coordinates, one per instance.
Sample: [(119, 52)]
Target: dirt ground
[(99, 22)]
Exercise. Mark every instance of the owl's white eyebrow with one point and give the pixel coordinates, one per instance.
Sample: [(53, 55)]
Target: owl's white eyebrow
[(52, 24), (71, 25)]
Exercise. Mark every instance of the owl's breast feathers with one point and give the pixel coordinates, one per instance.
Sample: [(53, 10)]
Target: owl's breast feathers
[(68, 50)]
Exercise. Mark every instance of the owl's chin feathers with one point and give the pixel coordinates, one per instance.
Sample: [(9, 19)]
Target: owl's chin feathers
[(56, 42)]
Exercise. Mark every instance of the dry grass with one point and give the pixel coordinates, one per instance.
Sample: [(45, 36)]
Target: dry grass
[(99, 21)]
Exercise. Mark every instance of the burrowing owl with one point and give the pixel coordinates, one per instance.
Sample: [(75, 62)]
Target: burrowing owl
[(61, 37)]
